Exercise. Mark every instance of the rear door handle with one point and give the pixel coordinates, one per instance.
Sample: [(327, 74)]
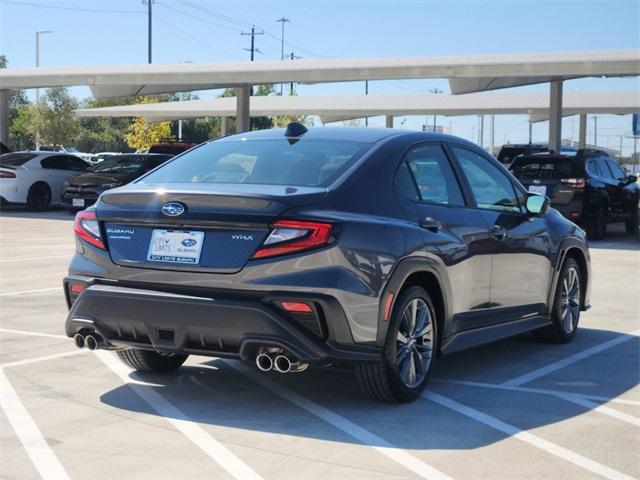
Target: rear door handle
[(431, 224), (498, 232)]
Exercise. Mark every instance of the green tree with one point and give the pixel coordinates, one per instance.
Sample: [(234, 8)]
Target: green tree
[(142, 134), (284, 120), (20, 116), (54, 118), (104, 134)]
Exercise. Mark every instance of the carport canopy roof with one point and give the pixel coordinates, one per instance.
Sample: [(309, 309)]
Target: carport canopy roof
[(469, 73), (335, 108)]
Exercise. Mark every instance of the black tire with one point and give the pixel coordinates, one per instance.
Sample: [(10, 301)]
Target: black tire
[(39, 197), (387, 380), (632, 227), (565, 323), (150, 361), (597, 223)]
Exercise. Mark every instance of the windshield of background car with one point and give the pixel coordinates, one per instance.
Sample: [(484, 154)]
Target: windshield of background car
[(305, 163), (15, 159), (532, 167), (120, 164)]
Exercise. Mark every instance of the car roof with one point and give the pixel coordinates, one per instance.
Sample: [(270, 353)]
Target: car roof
[(355, 134)]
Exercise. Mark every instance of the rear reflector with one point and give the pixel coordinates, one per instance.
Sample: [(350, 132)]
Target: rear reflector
[(292, 236), (76, 287), (387, 305), (574, 215), (88, 229), (296, 307)]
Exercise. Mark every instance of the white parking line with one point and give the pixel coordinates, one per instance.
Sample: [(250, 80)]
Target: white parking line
[(565, 362), (543, 391), (361, 434), (28, 259), (25, 292), (181, 421), (42, 359), (43, 458), (566, 396), (529, 438), (34, 334)]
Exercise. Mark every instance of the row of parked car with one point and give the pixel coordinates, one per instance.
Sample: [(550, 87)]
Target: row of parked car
[(585, 185), (41, 179)]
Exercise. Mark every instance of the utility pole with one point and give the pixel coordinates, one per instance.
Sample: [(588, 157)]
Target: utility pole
[(282, 20), (149, 3), (366, 92), (435, 91), (253, 34), (38, 33), (530, 132), (292, 57)]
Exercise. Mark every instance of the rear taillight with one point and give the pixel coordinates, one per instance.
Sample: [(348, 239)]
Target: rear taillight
[(5, 174), (574, 182), (88, 229), (292, 236)]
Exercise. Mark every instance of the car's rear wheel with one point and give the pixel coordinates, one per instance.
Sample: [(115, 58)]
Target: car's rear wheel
[(150, 361), (632, 227), (39, 197), (597, 224), (565, 314), (409, 351)]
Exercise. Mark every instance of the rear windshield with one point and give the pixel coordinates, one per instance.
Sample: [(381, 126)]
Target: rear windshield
[(15, 159), (305, 163), (545, 168), (120, 164)]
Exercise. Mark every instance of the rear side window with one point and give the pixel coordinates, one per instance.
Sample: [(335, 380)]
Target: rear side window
[(491, 188), (307, 163), (616, 171), (593, 169), (429, 170), (15, 159)]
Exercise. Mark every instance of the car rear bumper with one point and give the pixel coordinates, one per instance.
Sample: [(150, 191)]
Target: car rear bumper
[(201, 325), (10, 191)]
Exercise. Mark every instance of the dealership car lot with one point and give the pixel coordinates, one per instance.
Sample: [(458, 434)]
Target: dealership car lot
[(514, 409)]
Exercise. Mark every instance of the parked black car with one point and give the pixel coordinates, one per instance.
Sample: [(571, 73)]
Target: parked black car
[(83, 190), (589, 188), (510, 151), (375, 248)]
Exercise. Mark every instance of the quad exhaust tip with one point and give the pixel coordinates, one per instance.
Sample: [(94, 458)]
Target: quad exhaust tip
[(264, 362), (78, 340), (282, 364), (90, 342)]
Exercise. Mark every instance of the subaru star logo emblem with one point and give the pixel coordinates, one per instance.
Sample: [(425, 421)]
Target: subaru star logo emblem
[(173, 209)]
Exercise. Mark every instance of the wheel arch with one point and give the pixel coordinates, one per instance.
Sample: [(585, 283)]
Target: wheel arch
[(422, 272), (571, 248)]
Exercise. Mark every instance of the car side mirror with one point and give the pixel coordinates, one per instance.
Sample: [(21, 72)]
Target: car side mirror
[(537, 204), (631, 179)]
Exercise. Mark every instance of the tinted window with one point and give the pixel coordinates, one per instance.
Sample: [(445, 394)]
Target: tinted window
[(56, 162), (593, 168), (405, 184), (77, 164), (15, 159), (491, 188), (541, 167), (120, 164), (304, 162), (604, 168), (616, 171), (433, 175)]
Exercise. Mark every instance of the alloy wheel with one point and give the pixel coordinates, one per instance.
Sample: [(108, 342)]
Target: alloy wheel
[(570, 299), (414, 343)]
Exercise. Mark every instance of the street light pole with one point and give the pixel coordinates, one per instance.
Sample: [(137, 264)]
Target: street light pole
[(38, 33), (282, 20), (435, 91)]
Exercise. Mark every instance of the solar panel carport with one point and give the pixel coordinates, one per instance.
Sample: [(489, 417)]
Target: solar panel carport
[(465, 73)]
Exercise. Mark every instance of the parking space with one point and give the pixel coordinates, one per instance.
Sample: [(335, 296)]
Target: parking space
[(572, 410)]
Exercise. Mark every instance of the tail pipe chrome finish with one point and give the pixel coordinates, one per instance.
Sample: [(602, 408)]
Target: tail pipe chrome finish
[(78, 340), (264, 362)]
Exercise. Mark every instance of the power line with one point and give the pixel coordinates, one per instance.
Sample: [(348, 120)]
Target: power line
[(182, 12), (73, 9), (220, 16)]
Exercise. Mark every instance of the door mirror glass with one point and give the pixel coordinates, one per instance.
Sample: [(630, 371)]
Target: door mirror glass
[(631, 179), (537, 204)]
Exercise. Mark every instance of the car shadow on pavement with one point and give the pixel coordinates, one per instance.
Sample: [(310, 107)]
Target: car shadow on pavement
[(616, 239), (215, 394)]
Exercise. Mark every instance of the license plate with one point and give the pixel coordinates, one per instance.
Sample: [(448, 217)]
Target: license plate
[(77, 202), (175, 246), (541, 189)]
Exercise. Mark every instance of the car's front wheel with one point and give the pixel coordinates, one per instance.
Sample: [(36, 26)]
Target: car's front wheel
[(565, 314), (409, 351), (150, 361)]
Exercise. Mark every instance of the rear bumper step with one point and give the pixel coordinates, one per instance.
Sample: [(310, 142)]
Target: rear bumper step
[(196, 325)]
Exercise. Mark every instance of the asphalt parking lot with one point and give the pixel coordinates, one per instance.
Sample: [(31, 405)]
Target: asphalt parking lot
[(511, 410)]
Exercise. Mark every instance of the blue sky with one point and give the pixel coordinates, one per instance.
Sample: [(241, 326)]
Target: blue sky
[(115, 31)]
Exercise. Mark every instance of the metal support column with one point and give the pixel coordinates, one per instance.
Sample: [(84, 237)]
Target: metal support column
[(4, 116), (389, 121), (555, 115), (224, 126), (243, 112), (582, 136)]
